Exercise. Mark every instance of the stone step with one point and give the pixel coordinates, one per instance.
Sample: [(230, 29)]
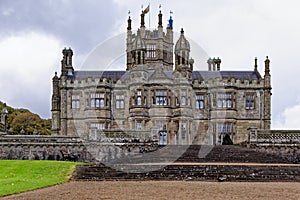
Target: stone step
[(202, 153), (176, 163), (193, 172)]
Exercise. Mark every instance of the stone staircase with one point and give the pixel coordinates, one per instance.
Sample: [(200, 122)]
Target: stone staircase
[(194, 163), (230, 154)]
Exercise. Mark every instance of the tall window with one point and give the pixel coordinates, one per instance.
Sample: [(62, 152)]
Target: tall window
[(75, 101), (183, 99), (224, 100), (139, 98), (165, 53), (139, 125), (151, 51), (223, 129), (199, 101), (98, 125), (161, 98), (97, 100), (249, 104), (163, 137), (119, 101), (176, 101), (162, 126), (183, 132)]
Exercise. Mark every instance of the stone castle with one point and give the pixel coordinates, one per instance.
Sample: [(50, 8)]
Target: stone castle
[(160, 97)]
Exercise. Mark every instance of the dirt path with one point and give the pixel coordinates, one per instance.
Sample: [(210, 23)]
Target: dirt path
[(164, 190)]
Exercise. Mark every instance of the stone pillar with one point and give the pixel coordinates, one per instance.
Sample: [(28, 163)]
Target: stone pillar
[(267, 96)]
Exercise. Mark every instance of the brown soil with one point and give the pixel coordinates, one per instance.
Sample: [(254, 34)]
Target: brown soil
[(165, 190)]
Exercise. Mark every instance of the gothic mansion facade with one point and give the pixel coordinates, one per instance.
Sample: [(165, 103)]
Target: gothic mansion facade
[(160, 96)]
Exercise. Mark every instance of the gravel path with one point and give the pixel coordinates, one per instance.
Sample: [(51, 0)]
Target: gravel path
[(164, 190)]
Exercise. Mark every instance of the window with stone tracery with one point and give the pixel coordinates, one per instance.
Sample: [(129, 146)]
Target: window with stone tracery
[(199, 101), (161, 98), (151, 51), (223, 100), (97, 100), (119, 101), (97, 125), (75, 101), (224, 129), (249, 101)]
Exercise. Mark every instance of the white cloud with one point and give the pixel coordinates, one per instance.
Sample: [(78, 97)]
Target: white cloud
[(8, 12), (289, 119), (27, 64)]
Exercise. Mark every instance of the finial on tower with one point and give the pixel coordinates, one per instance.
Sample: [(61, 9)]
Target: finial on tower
[(255, 64), (267, 66), (182, 31), (129, 23), (142, 19), (160, 20), (170, 25)]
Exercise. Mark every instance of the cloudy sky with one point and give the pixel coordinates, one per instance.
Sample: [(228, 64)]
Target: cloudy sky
[(33, 33)]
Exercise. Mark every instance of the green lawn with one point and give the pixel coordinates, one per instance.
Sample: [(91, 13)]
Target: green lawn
[(22, 175)]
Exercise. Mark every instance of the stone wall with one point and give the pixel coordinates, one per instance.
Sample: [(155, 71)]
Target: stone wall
[(285, 143), (36, 147)]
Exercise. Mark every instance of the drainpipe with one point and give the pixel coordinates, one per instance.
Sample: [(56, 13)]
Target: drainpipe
[(208, 116), (260, 107)]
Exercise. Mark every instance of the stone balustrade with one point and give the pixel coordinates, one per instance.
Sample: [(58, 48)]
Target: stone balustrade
[(119, 136), (274, 136)]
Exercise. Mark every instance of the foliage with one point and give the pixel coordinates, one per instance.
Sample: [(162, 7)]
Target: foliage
[(22, 175), (31, 123)]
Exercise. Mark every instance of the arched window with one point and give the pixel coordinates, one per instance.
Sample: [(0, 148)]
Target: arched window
[(201, 104), (161, 97), (139, 101), (97, 103), (139, 58), (183, 100), (92, 103), (139, 98), (163, 137), (97, 100)]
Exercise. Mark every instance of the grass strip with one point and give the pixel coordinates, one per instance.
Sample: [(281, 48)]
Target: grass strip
[(23, 175)]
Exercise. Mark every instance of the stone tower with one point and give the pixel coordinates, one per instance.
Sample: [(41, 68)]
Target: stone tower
[(183, 63), (267, 96), (55, 105), (60, 91), (151, 47)]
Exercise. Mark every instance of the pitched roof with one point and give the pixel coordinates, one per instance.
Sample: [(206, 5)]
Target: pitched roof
[(114, 75), (200, 75), (205, 75)]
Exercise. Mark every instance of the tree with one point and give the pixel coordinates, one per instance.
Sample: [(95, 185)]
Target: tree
[(30, 123), (21, 118)]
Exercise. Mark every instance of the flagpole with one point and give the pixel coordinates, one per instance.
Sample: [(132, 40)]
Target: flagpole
[(149, 16)]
